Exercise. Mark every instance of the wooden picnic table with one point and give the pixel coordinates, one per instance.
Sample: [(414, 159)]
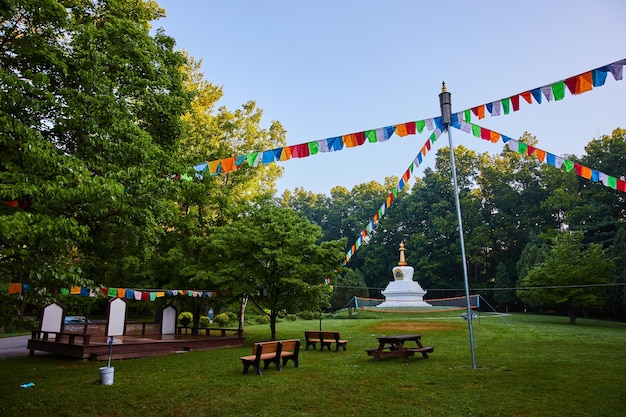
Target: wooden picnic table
[(394, 346)]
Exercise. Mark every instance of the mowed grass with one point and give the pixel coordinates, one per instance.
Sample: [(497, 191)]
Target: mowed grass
[(527, 365)]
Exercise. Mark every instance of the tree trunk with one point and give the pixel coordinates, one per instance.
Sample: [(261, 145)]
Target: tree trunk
[(242, 311), (273, 324)]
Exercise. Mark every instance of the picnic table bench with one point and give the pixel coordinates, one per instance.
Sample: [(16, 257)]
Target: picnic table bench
[(395, 346), (272, 352), (325, 339)]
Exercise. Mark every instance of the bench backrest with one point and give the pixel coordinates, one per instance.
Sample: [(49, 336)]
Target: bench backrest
[(322, 335), (291, 345), (266, 347), (330, 335)]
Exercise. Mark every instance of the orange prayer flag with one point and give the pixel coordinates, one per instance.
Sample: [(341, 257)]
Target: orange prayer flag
[(401, 130), (75, 290), (285, 155), (228, 164), (479, 111), (585, 82), (494, 137), (350, 140), (528, 97), (15, 287), (541, 154)]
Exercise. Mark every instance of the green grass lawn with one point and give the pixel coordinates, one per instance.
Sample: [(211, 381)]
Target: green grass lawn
[(527, 365)]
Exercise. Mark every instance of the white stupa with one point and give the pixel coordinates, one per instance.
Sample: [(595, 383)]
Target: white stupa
[(403, 291)]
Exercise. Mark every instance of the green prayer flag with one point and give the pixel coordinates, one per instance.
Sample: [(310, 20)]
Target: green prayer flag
[(65, 291), (611, 182), (314, 148), (558, 89), (569, 165), (476, 131), (506, 105), (522, 147), (252, 156), (112, 292), (420, 124), (371, 136), (468, 115)]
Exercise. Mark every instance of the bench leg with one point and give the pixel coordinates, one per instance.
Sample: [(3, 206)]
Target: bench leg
[(256, 366)]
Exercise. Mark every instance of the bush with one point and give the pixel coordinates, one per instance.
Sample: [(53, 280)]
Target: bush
[(222, 319), (185, 318), (263, 319), (204, 321), (308, 315), (290, 317)]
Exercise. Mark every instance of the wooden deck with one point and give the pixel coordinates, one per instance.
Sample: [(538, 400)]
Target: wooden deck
[(89, 342)]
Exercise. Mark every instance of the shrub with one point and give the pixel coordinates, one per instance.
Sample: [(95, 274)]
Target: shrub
[(308, 315), (204, 321), (290, 317), (222, 319), (185, 318), (263, 319)]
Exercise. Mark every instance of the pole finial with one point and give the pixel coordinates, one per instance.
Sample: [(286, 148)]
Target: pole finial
[(443, 87)]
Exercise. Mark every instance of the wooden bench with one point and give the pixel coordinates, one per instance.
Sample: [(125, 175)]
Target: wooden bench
[(272, 352), (325, 339)]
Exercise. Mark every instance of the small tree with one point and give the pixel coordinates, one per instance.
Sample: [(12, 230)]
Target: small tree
[(270, 256), (568, 275)]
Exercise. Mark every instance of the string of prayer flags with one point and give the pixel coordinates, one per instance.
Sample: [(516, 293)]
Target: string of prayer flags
[(544, 156), (366, 233), (304, 150), (577, 84), (130, 294)]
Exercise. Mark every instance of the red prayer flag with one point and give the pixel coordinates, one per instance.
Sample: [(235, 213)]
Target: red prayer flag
[(570, 83), (530, 150), (484, 134), (515, 102), (578, 168), (621, 185)]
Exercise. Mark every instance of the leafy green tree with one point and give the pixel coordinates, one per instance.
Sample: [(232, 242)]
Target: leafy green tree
[(269, 255), (90, 112), (572, 276)]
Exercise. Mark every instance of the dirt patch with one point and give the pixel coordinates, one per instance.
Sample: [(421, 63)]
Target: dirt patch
[(415, 326)]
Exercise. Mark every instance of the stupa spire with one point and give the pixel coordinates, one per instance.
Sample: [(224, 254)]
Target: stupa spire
[(402, 261)]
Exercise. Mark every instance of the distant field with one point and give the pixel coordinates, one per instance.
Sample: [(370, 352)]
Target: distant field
[(527, 365)]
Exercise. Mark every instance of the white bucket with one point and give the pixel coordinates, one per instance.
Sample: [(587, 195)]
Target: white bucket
[(106, 375)]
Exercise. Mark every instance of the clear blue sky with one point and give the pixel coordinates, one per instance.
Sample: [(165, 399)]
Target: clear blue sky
[(327, 68)]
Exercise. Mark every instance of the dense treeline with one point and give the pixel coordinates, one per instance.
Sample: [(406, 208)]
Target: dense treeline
[(513, 207)]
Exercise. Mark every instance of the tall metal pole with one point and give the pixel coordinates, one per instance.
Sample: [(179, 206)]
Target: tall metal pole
[(445, 103)]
